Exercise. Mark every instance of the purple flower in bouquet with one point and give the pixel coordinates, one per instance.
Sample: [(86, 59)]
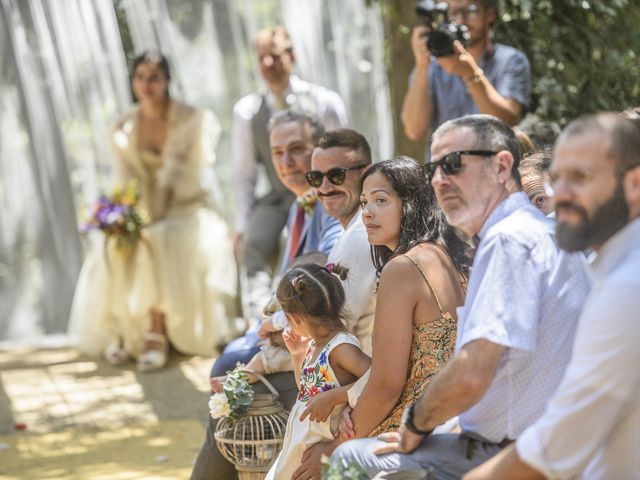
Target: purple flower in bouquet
[(118, 216)]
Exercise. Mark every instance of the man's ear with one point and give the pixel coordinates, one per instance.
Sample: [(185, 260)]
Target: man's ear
[(631, 185), (505, 165)]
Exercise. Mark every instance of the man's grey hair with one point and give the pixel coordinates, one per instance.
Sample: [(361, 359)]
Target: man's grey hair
[(315, 128), (623, 135), (490, 132)]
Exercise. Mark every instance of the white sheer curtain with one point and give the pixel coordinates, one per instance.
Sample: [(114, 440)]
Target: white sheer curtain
[(63, 78), (338, 44), (64, 81)]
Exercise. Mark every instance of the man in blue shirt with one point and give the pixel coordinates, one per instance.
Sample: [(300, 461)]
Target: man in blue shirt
[(482, 77), (518, 320)]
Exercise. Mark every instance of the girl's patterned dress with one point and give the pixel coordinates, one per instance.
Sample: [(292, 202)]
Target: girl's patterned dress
[(316, 377)]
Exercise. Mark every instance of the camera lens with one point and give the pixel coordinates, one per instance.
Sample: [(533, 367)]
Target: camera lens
[(441, 40)]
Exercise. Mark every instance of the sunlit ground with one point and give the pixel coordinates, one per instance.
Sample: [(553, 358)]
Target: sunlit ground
[(87, 420)]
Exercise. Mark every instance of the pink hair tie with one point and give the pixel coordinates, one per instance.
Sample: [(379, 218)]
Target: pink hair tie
[(329, 267)]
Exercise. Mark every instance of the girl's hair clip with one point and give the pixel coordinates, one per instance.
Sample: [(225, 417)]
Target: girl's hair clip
[(329, 267)]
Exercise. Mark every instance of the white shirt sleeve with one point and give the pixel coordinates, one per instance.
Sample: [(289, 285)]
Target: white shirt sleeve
[(245, 169), (601, 386), (359, 285)]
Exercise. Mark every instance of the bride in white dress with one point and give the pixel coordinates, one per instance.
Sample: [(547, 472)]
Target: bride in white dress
[(178, 285)]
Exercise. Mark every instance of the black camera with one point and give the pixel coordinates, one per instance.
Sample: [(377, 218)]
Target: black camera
[(443, 31)]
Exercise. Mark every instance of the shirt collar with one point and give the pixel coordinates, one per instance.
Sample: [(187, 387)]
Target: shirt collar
[(357, 218), (488, 53), (294, 86), (615, 249), (513, 202)]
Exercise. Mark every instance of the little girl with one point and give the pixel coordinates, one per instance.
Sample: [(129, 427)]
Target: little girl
[(312, 298)]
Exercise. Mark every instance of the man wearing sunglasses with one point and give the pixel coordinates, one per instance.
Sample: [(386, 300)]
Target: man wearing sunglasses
[(262, 213), (480, 78), (337, 164), (590, 427), (518, 322)]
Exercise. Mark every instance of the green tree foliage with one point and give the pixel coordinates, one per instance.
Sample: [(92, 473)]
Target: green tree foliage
[(583, 53)]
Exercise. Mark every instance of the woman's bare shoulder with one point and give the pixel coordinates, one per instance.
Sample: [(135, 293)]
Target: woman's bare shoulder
[(396, 268), (431, 256)]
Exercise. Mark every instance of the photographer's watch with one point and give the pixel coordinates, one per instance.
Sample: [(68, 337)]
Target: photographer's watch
[(407, 421)]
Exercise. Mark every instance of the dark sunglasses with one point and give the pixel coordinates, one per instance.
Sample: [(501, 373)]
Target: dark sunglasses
[(451, 163), (335, 175)]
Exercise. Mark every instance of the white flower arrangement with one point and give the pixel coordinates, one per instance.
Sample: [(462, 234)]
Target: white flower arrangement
[(236, 396), (219, 405)]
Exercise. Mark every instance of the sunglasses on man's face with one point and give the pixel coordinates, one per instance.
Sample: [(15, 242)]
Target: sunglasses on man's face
[(451, 163), (335, 175)]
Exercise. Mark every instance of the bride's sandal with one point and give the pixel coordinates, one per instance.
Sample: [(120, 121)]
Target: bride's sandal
[(115, 354), (154, 358)]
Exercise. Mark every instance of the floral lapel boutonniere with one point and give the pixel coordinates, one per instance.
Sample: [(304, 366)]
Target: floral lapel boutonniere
[(308, 201)]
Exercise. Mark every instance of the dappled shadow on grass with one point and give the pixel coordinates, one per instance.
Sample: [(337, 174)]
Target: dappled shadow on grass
[(54, 389), (159, 451), (88, 420)]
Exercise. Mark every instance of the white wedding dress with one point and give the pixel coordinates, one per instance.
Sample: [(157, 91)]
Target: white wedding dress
[(184, 264)]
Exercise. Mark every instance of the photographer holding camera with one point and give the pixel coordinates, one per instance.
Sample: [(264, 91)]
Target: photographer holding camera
[(458, 70)]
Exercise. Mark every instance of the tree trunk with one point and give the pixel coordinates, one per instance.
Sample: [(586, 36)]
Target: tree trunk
[(399, 18)]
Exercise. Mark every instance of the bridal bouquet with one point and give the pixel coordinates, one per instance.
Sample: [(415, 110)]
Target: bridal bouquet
[(234, 401), (118, 215)]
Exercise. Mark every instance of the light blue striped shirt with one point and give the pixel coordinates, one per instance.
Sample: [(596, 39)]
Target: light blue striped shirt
[(525, 294)]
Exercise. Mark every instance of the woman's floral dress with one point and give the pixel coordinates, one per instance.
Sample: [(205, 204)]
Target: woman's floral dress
[(431, 348), (316, 377)]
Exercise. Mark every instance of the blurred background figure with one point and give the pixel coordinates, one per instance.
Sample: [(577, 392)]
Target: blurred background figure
[(177, 285), (261, 216), (478, 77)]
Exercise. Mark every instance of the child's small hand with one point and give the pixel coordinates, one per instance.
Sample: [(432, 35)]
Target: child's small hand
[(266, 327), (319, 407), (296, 344), (217, 383), (345, 426)]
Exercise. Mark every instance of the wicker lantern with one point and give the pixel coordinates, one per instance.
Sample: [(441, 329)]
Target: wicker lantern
[(253, 441)]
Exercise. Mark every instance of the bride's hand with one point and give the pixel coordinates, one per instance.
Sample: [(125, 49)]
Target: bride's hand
[(296, 344)]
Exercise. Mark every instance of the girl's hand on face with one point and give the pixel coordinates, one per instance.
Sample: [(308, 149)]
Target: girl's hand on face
[(296, 344)]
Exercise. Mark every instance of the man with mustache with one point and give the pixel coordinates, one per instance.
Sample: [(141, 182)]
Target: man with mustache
[(590, 427), (336, 165), (519, 317)]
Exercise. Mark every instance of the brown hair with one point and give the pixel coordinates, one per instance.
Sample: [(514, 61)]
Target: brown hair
[(315, 293), (274, 32), (349, 139)]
